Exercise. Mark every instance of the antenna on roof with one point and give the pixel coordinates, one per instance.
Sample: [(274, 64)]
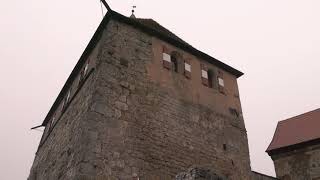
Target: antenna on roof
[(132, 15), (106, 5)]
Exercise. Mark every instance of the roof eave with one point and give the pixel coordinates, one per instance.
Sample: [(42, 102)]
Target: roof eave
[(95, 38), (292, 147)]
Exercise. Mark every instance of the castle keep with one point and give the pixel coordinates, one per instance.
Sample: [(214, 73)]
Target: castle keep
[(141, 103)]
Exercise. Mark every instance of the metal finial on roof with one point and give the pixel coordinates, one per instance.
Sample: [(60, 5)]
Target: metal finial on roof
[(132, 15)]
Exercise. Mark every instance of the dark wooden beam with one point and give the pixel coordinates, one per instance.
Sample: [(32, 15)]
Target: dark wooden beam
[(36, 127), (106, 5)]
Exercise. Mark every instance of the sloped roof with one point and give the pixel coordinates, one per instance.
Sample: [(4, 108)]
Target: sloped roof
[(148, 26), (150, 23), (295, 131)]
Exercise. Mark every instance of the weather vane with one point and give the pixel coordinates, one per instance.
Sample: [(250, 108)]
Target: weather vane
[(132, 15)]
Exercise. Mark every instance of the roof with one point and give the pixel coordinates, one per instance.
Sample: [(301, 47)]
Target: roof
[(148, 26), (150, 23), (296, 132)]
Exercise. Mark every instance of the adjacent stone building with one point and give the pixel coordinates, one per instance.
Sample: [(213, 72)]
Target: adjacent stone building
[(295, 147), (141, 103)]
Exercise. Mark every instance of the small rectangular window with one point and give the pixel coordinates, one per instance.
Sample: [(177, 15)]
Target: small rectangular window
[(224, 147), (68, 96), (204, 75), (221, 82), (166, 57), (187, 69), (166, 60), (86, 69)]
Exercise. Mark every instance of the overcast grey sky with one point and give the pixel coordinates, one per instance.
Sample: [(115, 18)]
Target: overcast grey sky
[(276, 43)]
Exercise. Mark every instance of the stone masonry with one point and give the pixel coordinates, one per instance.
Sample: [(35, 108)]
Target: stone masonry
[(134, 119), (302, 164), (259, 176)]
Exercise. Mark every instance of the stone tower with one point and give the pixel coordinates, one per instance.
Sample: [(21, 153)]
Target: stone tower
[(143, 104), (295, 147)]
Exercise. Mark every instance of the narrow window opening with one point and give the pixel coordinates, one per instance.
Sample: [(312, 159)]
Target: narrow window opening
[(187, 69), (175, 63), (66, 100), (63, 104), (84, 72), (210, 78), (81, 78), (204, 75), (224, 147), (68, 96), (52, 121), (86, 69), (234, 112), (221, 82), (166, 59)]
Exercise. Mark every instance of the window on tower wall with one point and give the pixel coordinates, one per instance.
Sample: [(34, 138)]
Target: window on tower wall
[(66, 100), (84, 72), (187, 68), (210, 78), (174, 63), (204, 75), (166, 58), (221, 82), (52, 121), (177, 62), (68, 97)]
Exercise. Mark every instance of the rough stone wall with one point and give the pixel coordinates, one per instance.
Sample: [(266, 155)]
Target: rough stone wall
[(299, 164), (143, 130), (199, 174), (61, 153), (63, 143), (259, 176)]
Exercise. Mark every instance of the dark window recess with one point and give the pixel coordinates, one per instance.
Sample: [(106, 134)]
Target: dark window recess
[(210, 78), (81, 77), (234, 112), (124, 62), (52, 121), (174, 63), (224, 147)]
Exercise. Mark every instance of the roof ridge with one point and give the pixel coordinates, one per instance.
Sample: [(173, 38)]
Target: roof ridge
[(303, 114)]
